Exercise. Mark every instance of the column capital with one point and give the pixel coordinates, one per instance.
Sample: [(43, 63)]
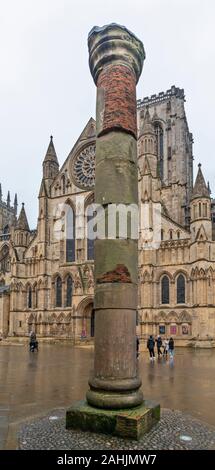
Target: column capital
[(114, 44)]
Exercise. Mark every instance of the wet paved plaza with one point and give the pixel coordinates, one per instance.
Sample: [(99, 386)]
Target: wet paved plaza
[(32, 384)]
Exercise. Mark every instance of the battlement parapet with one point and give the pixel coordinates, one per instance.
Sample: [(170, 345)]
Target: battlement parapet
[(162, 96)]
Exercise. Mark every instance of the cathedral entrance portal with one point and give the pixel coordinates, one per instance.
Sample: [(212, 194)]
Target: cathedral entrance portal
[(88, 321)]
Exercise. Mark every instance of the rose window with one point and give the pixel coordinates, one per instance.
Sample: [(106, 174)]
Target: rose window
[(84, 168)]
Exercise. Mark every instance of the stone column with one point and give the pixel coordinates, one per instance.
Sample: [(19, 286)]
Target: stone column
[(115, 58)]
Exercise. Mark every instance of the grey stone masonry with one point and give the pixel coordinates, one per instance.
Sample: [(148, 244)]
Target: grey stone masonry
[(175, 147), (175, 431)]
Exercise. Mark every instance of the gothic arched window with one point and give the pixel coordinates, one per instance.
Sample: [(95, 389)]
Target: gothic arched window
[(160, 150), (181, 289), (195, 212), (36, 297), (70, 235), (29, 297), (4, 258), (204, 210), (58, 292), (63, 182), (6, 229), (69, 286), (151, 146), (90, 213), (165, 290), (90, 239), (200, 209)]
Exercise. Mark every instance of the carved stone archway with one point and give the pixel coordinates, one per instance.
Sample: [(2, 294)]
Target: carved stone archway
[(86, 316)]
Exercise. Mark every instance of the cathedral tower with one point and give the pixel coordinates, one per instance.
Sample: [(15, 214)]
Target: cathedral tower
[(174, 140), (50, 171), (147, 155), (201, 225), (21, 233)]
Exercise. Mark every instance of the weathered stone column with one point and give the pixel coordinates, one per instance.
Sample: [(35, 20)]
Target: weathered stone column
[(115, 402), (116, 58)]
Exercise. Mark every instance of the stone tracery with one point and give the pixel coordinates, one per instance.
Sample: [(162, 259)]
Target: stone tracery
[(83, 168)]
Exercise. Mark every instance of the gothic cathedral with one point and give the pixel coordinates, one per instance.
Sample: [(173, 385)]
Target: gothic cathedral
[(47, 275)]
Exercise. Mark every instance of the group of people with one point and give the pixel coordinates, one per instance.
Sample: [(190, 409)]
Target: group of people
[(166, 344)]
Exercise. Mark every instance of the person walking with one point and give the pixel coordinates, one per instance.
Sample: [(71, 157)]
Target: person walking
[(165, 347), (33, 344), (150, 346), (171, 348), (159, 344), (32, 336)]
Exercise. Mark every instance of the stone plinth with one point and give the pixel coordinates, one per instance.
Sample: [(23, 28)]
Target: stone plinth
[(127, 423)]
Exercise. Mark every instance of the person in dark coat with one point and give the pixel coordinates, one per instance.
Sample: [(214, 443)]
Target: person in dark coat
[(159, 344), (171, 347), (33, 341), (150, 346)]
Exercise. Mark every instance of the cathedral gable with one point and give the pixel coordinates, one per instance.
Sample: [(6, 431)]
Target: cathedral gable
[(78, 171)]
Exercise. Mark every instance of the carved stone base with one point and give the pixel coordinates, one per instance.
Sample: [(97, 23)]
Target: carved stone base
[(127, 423), (113, 401)]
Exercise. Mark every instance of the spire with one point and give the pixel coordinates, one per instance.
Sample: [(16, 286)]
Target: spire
[(8, 199), (209, 188), (147, 125), (15, 204), (22, 223), (50, 163), (200, 188), (51, 155)]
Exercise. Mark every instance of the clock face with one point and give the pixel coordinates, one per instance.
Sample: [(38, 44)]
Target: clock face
[(83, 168)]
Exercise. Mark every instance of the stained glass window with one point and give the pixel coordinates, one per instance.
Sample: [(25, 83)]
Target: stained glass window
[(69, 286), (165, 290), (180, 289), (58, 292), (29, 297), (70, 235)]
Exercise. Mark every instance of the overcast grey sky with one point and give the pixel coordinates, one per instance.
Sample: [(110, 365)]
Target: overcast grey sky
[(46, 87)]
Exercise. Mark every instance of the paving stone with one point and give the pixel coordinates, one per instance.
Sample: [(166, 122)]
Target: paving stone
[(49, 434)]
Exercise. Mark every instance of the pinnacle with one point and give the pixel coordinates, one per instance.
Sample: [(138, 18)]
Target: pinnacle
[(51, 153), (200, 188), (22, 223)]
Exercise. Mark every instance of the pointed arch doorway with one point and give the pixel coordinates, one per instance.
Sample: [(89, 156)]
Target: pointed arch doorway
[(88, 321)]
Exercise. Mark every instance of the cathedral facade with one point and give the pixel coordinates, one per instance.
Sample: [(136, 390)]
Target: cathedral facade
[(47, 274)]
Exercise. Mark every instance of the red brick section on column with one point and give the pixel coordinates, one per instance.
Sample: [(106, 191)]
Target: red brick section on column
[(119, 85)]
